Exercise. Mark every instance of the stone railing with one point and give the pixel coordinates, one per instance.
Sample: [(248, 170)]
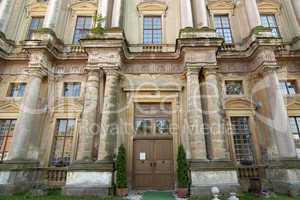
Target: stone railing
[(152, 48), (256, 171), (74, 49), (228, 47), (56, 177)]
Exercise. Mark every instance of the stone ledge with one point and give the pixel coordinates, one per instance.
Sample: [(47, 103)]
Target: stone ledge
[(221, 165), (204, 191), (98, 166), (81, 191), (19, 165)]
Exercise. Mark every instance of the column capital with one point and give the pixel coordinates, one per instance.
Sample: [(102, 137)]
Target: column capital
[(210, 71), (111, 72), (38, 72), (269, 69)]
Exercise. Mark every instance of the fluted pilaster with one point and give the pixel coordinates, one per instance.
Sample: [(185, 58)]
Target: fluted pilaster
[(201, 15), (117, 13), (103, 11), (5, 12), (89, 116), (194, 115), (186, 13), (25, 127), (109, 117), (215, 125), (296, 5), (252, 13), (51, 17)]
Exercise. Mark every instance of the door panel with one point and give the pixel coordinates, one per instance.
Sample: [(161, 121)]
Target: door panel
[(156, 171)]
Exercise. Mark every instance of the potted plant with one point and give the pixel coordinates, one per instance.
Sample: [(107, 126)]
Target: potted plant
[(121, 182), (182, 173)]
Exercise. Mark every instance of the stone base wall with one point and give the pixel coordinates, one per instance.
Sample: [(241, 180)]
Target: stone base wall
[(285, 181), (12, 182), (202, 181), (86, 183)]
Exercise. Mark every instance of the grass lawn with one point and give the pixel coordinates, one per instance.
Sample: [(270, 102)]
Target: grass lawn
[(253, 197)]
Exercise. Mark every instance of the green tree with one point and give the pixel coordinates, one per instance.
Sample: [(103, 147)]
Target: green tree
[(121, 168), (182, 168)]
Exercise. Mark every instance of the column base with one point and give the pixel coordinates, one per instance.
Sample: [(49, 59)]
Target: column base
[(18, 176), (89, 179), (205, 175)]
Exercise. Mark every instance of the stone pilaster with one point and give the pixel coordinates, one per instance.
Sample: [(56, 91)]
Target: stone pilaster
[(194, 114), (252, 13), (201, 15), (52, 14), (103, 10), (296, 5), (89, 116), (5, 10), (215, 125), (26, 131), (109, 117), (117, 13), (278, 121), (186, 13)]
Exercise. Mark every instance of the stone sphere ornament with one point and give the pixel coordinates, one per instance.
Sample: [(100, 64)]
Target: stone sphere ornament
[(233, 196), (215, 192)]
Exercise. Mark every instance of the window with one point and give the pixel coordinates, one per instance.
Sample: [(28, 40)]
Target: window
[(288, 87), (242, 139), (223, 29), (36, 23), (234, 87), (72, 89), (269, 21), (7, 127), (63, 142), (152, 30), (294, 123), (16, 89), (83, 27)]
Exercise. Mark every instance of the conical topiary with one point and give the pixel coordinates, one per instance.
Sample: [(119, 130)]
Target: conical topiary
[(121, 168), (182, 168)]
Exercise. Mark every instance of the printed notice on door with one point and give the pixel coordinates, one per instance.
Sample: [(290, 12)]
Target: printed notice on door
[(142, 156)]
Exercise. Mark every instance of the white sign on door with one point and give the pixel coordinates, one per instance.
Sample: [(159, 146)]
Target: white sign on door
[(142, 156)]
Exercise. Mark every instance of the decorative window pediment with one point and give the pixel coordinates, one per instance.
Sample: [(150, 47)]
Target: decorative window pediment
[(84, 8), (268, 6), (37, 9), (221, 6), (152, 8), (8, 107)]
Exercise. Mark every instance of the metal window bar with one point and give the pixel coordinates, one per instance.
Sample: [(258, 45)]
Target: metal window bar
[(242, 139), (7, 127), (269, 21), (223, 28), (154, 29)]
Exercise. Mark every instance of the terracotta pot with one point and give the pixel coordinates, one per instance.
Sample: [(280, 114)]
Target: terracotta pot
[(122, 192), (182, 192)]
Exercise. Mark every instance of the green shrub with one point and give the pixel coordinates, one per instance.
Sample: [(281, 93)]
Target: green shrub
[(121, 168), (182, 168)]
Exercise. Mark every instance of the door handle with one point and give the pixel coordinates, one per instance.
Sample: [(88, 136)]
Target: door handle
[(154, 164), (151, 164)]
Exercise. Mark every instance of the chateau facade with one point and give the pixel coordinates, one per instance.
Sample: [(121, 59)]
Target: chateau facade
[(221, 77)]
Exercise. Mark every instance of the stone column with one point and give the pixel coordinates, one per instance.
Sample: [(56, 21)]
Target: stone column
[(109, 117), (103, 11), (215, 125), (194, 115), (25, 127), (200, 13), (51, 17), (186, 13), (278, 121), (117, 13), (5, 11), (252, 13), (89, 116), (296, 5)]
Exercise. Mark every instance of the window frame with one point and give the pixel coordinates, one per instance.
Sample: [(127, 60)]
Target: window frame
[(287, 88), (17, 84), (267, 15), (6, 137), (296, 123), (153, 29), (41, 20), (73, 84), (222, 27), (250, 144), (242, 87), (82, 29), (56, 135)]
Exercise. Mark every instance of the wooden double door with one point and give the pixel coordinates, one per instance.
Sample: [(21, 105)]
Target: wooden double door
[(153, 164)]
